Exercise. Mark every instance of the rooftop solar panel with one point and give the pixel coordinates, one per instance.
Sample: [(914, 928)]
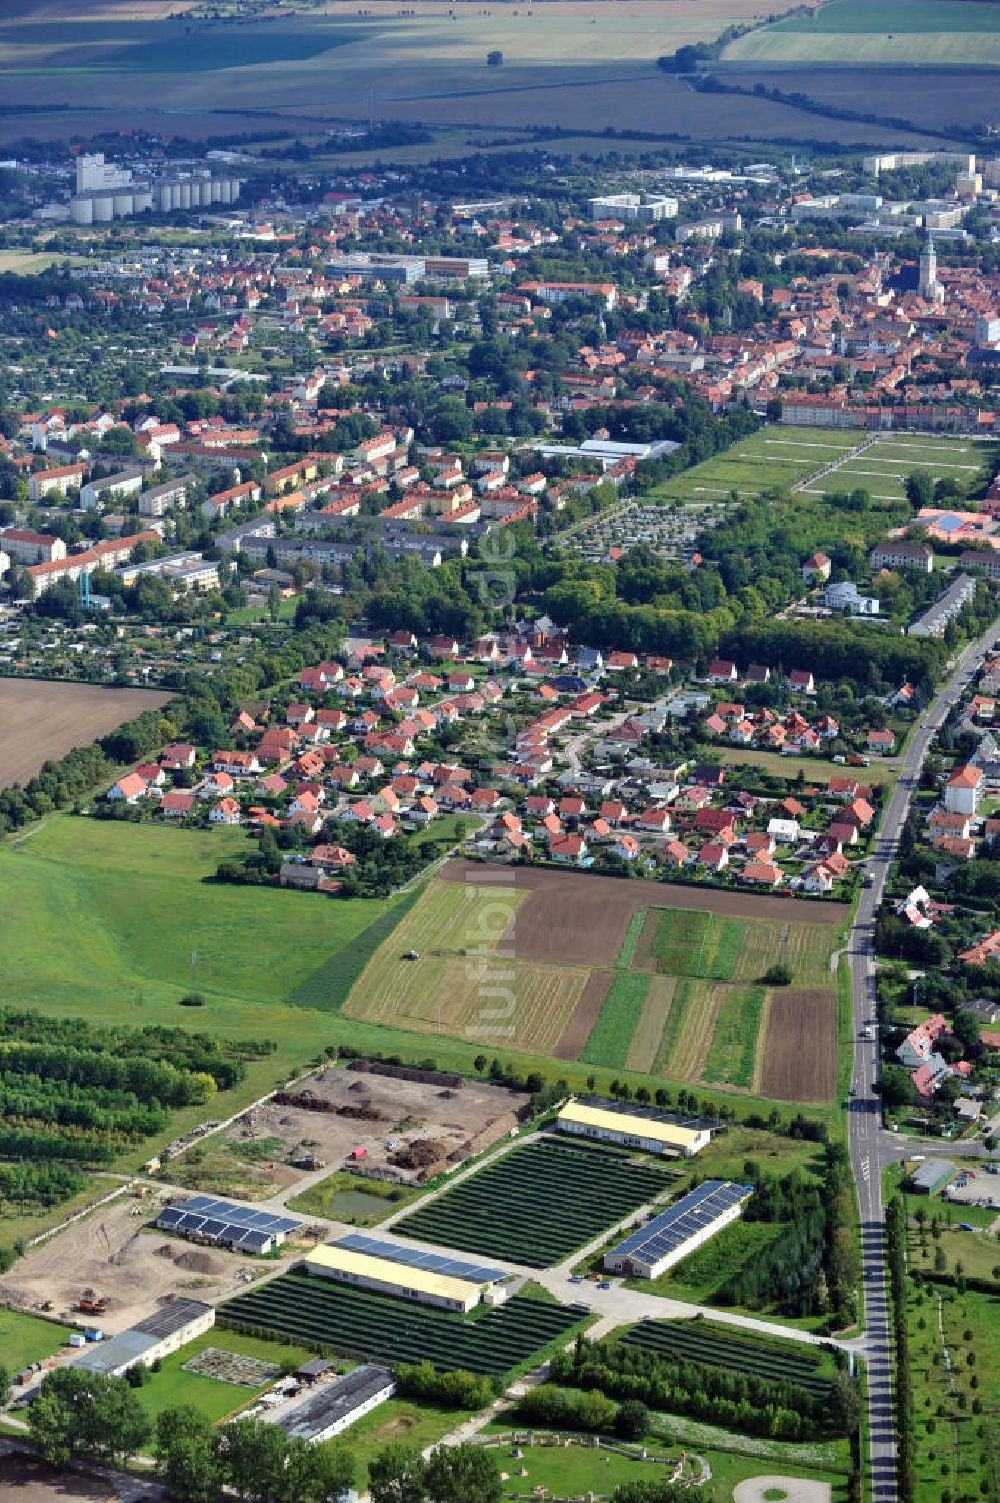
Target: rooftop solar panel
[(691, 1214), (414, 1257), (205, 1216)]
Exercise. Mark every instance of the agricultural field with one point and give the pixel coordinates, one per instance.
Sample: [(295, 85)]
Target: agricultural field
[(571, 967), (445, 989), (581, 65), (897, 32), (882, 469), (716, 1016), (42, 721), (773, 458), (354, 1323), (536, 1205)]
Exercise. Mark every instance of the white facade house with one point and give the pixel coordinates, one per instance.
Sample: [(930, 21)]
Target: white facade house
[(963, 790)]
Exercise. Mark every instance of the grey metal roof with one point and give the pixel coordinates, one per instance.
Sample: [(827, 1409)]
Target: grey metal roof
[(331, 1402), (110, 1357), (172, 1317)]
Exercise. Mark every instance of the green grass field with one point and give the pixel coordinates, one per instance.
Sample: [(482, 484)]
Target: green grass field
[(210, 1396), (814, 770), (399, 1421), (882, 469), (611, 1035), (879, 31), (955, 1451), (116, 922), (774, 458), (26, 1338)]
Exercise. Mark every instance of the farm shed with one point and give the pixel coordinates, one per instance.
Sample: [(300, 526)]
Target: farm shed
[(329, 1408), (385, 1276), (167, 1330), (688, 1223), (930, 1176), (631, 1127), (223, 1224)]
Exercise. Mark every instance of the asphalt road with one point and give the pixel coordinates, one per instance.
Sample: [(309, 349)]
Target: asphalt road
[(869, 1149)]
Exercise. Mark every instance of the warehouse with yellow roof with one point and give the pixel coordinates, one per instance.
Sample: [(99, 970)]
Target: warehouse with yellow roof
[(633, 1127)]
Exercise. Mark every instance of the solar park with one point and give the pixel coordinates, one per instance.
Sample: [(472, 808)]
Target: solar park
[(355, 1323), (727, 1346), (205, 1219), (538, 1204)]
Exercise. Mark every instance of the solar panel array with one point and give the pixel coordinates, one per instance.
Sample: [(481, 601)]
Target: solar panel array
[(221, 1221), (688, 1216), (412, 1257)]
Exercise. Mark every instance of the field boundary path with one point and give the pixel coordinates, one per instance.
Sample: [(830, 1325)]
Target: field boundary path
[(869, 1150), (835, 464)]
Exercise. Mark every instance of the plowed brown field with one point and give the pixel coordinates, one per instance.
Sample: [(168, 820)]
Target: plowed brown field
[(800, 1059), (573, 918), (40, 720)]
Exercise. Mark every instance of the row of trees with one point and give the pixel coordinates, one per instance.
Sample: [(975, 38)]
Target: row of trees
[(725, 1396), (812, 1267), (895, 1239)]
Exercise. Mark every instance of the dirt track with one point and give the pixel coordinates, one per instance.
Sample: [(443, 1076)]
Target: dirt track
[(40, 720), (800, 1058), (573, 918)]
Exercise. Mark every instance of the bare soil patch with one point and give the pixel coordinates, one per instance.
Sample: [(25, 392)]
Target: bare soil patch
[(571, 918), (464, 1120), (133, 1269), (31, 1481), (42, 720), (588, 1010), (800, 1062)]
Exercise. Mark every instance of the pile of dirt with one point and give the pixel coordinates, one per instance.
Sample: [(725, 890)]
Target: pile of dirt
[(308, 1101), (197, 1260), (165, 1250), (409, 1072), (419, 1154)]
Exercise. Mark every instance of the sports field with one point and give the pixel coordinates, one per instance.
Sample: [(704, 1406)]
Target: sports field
[(883, 467), (774, 458), (586, 968), (907, 32)]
